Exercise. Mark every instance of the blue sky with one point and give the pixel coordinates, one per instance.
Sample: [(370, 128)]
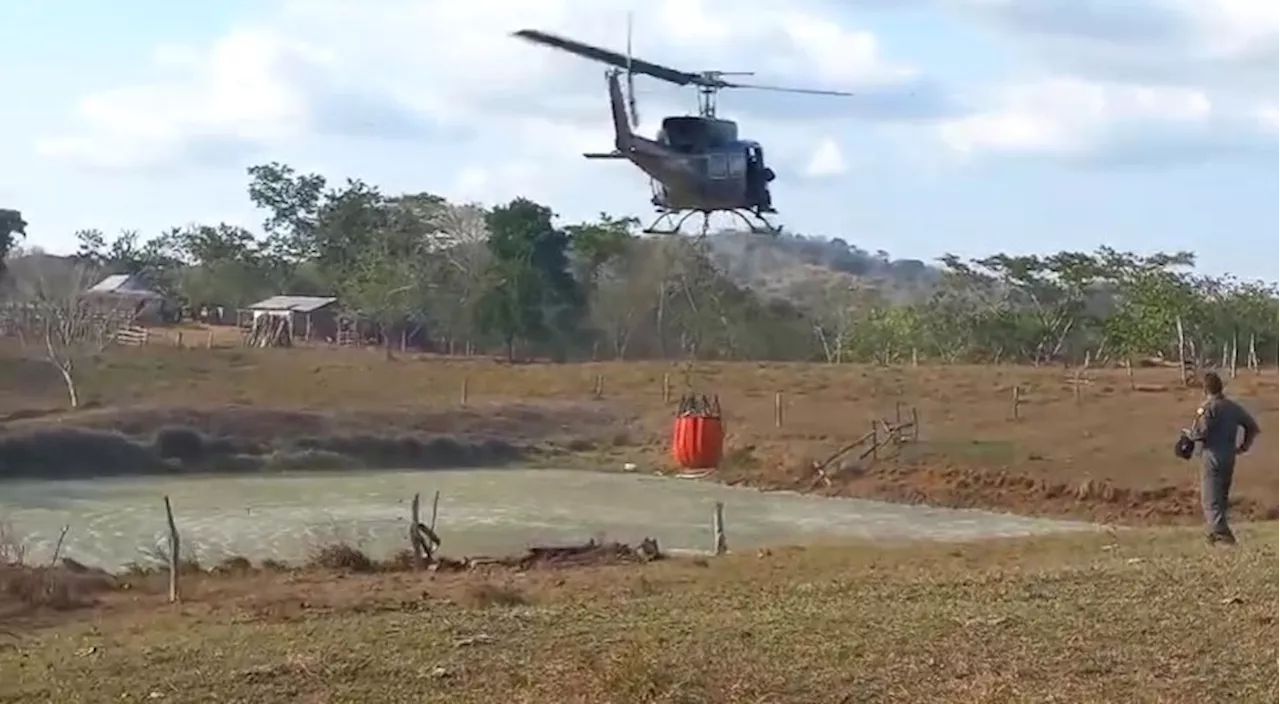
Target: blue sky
[(980, 125)]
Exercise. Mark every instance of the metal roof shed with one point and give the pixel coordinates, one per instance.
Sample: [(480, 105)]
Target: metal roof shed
[(296, 304), (315, 317), (123, 285)]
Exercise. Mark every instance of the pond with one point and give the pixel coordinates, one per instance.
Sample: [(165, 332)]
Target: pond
[(482, 512)]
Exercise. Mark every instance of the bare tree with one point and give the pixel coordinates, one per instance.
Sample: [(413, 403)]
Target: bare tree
[(454, 262), (627, 296), (72, 327), (834, 312)]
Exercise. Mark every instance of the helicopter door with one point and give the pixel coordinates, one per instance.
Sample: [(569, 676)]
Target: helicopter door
[(717, 166)]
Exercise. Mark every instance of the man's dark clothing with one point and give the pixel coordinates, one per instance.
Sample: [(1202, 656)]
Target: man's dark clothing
[(1216, 427)]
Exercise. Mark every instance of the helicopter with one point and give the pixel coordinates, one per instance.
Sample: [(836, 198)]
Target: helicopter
[(697, 163)]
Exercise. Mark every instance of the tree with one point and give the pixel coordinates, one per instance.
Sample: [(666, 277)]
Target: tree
[(595, 244), (459, 272), (129, 254), (378, 285), (72, 328), (530, 294), (451, 262), (510, 305), (833, 313), (11, 223), (293, 202), (122, 255)]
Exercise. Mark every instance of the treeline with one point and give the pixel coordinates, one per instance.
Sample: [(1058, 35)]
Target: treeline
[(510, 279), (1105, 306)]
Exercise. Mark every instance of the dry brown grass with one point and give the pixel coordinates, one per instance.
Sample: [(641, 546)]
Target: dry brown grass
[(26, 588), (1106, 457), (1138, 616)]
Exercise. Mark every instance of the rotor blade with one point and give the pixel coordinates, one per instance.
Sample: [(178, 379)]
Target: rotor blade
[(612, 58), (628, 41), (780, 89), (631, 79)]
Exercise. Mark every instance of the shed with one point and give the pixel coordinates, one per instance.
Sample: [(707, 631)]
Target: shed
[(129, 290), (310, 317)]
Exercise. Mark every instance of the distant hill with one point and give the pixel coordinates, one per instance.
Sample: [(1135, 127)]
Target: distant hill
[(788, 265), (32, 264)]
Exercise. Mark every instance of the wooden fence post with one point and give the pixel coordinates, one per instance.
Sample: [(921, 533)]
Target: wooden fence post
[(415, 538), (180, 344), (1075, 383), (174, 550), (208, 341), (426, 541), (462, 396), (666, 388), (720, 545), (915, 425), (1128, 370), (1182, 352), (777, 409), (599, 390), (875, 441), (1017, 400)]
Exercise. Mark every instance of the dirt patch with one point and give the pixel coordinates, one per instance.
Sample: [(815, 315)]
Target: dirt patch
[(151, 440), (1101, 501), (935, 481)]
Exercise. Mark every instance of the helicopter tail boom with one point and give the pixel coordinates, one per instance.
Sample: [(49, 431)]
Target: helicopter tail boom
[(623, 138)]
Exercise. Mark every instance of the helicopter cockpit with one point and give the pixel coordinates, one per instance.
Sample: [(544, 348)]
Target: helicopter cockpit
[(694, 135), (758, 177)]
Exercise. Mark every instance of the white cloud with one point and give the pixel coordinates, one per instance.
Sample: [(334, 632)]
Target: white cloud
[(1167, 38), (1069, 115), (1241, 31), (1100, 74), (401, 67), (242, 90), (1130, 78), (827, 160)]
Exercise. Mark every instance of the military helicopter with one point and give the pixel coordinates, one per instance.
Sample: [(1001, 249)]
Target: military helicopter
[(697, 163)]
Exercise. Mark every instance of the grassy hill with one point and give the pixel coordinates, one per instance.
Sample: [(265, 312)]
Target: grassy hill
[(791, 266)]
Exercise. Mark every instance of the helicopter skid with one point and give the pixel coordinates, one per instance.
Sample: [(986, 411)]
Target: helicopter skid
[(671, 222)]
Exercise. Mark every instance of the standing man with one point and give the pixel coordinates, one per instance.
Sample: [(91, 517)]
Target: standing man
[(1217, 422)]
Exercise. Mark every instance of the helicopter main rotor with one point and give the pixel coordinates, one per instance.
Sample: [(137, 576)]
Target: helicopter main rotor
[(708, 83)]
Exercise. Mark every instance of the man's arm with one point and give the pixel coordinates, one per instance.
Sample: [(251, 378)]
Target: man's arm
[(1206, 417), (1251, 429)]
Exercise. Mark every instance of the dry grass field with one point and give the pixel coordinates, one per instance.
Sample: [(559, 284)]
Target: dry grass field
[(1146, 614)]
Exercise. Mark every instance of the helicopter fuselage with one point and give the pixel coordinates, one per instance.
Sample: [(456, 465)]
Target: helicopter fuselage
[(709, 179), (697, 163)]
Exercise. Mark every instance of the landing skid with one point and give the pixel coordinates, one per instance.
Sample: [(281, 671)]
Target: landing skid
[(671, 222)]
